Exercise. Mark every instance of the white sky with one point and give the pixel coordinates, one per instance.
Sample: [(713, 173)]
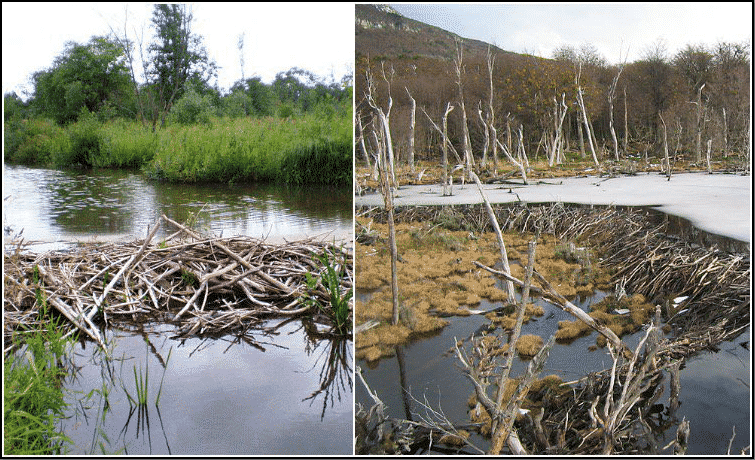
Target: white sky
[(538, 29), (278, 36)]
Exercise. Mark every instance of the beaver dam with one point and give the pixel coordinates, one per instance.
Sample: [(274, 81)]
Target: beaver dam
[(252, 341), (205, 286), (663, 301)]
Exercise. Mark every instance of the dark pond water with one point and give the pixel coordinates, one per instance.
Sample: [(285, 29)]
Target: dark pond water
[(55, 207), (715, 387), (216, 398)]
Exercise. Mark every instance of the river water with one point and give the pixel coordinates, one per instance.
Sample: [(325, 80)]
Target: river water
[(292, 395)]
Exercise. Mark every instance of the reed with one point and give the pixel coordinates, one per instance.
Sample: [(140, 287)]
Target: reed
[(32, 394)]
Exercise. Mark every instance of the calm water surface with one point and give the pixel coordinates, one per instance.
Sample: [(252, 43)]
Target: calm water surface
[(715, 387), (55, 207), (293, 397)]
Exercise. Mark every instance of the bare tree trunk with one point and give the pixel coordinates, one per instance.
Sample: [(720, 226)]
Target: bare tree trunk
[(581, 138), (665, 148), (384, 117), (611, 97), (586, 121), (447, 191), (485, 129), (700, 116), (509, 285), (555, 155), (387, 191), (707, 156), (726, 134), (411, 131), (360, 136), (522, 154), (467, 147), (626, 123), (491, 112)]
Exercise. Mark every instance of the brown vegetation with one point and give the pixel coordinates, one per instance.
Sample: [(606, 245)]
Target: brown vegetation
[(205, 286), (524, 87)]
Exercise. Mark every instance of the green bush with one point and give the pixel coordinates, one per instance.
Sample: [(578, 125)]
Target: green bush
[(125, 144), (34, 141), (85, 143), (192, 108)]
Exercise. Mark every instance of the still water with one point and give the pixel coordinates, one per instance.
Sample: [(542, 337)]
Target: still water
[(54, 207), (715, 386), (291, 395)]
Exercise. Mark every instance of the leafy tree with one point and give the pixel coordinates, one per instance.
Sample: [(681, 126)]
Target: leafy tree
[(177, 57), (83, 76), (14, 107)]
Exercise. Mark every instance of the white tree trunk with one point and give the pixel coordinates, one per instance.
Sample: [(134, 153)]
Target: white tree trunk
[(411, 131)]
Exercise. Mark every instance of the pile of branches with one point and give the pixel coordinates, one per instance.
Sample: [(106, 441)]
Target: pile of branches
[(615, 410), (205, 286)]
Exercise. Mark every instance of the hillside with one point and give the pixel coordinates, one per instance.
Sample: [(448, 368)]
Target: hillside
[(382, 31), (407, 57)]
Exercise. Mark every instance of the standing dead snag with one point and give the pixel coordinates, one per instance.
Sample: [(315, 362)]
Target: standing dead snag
[(446, 143), (467, 145), (384, 117), (558, 118), (665, 148), (411, 131), (581, 103)]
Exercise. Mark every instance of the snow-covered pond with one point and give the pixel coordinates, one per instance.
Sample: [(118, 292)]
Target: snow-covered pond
[(717, 203)]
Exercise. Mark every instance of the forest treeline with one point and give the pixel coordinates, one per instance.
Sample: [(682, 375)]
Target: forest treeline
[(696, 98), (118, 102)]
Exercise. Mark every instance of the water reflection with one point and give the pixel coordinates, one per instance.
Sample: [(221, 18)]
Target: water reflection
[(52, 205), (212, 396)]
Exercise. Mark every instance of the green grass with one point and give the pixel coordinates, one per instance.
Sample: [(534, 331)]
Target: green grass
[(32, 393), (314, 147), (338, 311)]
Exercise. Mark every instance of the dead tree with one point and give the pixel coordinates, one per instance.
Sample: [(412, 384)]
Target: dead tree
[(491, 112), (486, 144), (387, 191), (445, 144), (581, 103), (626, 123), (467, 145), (700, 120), (707, 156), (411, 130), (611, 98), (360, 137), (555, 156), (665, 148), (384, 117)]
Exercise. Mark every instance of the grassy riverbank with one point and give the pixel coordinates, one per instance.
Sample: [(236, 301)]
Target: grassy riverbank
[(314, 147)]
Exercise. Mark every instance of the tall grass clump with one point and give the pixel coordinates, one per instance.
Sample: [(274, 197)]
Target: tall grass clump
[(34, 141), (33, 394), (125, 144), (85, 142), (305, 149)]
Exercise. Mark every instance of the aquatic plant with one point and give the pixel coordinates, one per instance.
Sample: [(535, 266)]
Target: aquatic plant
[(339, 311), (32, 393)]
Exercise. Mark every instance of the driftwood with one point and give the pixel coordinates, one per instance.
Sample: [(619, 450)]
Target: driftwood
[(205, 286)]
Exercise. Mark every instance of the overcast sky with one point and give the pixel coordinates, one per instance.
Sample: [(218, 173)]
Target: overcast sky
[(538, 29), (315, 36)]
